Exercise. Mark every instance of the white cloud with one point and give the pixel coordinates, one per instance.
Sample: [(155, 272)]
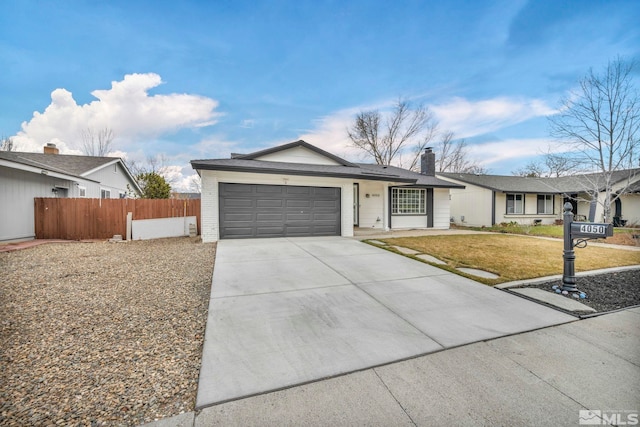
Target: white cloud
[(496, 152), (471, 118), (126, 108), (172, 174), (330, 134), (214, 147), (465, 118)]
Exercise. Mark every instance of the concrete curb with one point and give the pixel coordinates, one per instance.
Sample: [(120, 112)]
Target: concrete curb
[(518, 283)]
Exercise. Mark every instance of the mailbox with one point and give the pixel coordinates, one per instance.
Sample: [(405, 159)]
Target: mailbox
[(591, 230)]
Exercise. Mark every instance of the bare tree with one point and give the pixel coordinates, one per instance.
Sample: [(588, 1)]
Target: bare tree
[(533, 169), (601, 122), (97, 143), (552, 165), (7, 144), (387, 137), (153, 165), (453, 156), (195, 183)]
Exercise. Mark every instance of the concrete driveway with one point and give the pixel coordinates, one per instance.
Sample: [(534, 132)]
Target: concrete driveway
[(289, 311)]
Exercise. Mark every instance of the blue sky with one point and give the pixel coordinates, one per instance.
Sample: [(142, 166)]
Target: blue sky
[(202, 79)]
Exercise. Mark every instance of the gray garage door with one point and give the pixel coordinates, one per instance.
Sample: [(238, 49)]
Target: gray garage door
[(251, 210)]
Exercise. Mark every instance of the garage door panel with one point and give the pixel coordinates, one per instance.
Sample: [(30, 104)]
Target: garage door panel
[(323, 217), (239, 188), (238, 203), (238, 217), (325, 204), (269, 231), (298, 190), (237, 231), (278, 211), (298, 217), (272, 216), (319, 230), (298, 203), (262, 189), (269, 203)]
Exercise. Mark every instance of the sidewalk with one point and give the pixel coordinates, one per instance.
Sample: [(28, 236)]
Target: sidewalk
[(543, 377)]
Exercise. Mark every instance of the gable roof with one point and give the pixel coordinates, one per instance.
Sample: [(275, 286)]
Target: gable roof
[(299, 143), (345, 169), (71, 165), (559, 185), (67, 164)]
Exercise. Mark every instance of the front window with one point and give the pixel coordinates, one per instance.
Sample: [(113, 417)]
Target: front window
[(82, 192), (515, 204), (408, 201), (545, 204), (105, 194)]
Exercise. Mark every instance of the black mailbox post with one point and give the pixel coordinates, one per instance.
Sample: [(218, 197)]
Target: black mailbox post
[(582, 231)]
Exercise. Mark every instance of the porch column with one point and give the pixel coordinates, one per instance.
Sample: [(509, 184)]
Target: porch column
[(385, 211), (346, 214)]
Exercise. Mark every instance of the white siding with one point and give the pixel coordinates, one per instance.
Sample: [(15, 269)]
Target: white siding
[(346, 208), (209, 213), (17, 190), (473, 204), (441, 211), (630, 208), (530, 210), (408, 221), (298, 155), (441, 208), (113, 178), (372, 208)]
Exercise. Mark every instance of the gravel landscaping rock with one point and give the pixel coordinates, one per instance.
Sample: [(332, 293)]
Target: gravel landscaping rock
[(605, 292), (102, 333)]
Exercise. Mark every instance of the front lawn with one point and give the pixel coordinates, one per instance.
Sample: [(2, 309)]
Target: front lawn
[(512, 257)]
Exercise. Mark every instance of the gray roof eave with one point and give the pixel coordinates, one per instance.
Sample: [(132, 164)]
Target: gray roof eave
[(418, 185), (284, 171)]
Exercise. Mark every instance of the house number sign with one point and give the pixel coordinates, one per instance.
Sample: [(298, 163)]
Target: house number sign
[(582, 231), (592, 230)]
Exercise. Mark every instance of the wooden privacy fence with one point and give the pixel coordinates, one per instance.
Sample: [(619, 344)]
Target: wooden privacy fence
[(78, 219)]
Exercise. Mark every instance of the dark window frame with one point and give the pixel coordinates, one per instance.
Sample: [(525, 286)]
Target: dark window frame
[(513, 197), (543, 197)]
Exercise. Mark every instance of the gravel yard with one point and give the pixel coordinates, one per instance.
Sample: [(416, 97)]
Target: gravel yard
[(605, 292), (102, 333)]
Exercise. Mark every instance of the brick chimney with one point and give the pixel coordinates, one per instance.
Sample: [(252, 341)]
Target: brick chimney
[(428, 162), (51, 148)]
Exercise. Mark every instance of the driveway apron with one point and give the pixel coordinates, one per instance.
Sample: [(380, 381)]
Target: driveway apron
[(288, 311)]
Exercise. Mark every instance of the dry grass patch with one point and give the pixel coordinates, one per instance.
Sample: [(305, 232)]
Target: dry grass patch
[(513, 257)]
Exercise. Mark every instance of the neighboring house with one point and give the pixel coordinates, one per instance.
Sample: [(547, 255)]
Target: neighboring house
[(298, 189), (24, 176), (491, 199)]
